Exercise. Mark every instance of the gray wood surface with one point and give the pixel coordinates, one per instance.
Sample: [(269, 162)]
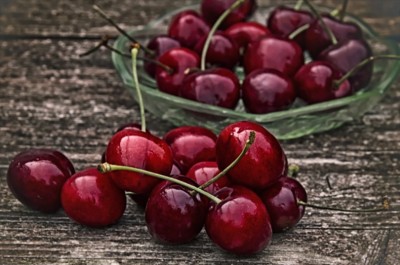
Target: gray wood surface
[(52, 98)]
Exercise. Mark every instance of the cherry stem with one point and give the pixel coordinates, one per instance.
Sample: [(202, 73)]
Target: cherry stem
[(385, 207), (338, 82), (123, 32), (298, 31), (343, 9), (134, 53), (214, 28), (323, 24), (106, 167), (246, 147), (298, 4), (103, 42)]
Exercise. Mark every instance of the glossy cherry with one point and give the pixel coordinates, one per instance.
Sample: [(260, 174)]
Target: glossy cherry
[(36, 176), (173, 214), (188, 27), (264, 162), (216, 86), (179, 60), (246, 32), (240, 223), (281, 201), (191, 144), (202, 172), (138, 149), (315, 82), (348, 54), (273, 52), (211, 10), (267, 90), (92, 199)]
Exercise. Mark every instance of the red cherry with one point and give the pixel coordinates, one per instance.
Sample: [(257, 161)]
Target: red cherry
[(179, 60), (264, 162), (173, 215), (191, 144), (281, 202), (91, 198), (138, 149), (188, 27), (277, 53), (36, 176), (240, 223), (315, 82), (202, 172), (267, 90), (217, 86), (244, 33)]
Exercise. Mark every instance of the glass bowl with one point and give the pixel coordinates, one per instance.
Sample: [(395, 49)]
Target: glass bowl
[(295, 122)]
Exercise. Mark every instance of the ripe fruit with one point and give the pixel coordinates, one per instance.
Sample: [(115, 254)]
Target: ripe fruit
[(202, 172)]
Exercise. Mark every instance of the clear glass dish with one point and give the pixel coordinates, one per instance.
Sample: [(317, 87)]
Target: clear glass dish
[(295, 122)]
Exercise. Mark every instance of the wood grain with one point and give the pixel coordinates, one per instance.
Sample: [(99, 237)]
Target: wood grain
[(52, 98)]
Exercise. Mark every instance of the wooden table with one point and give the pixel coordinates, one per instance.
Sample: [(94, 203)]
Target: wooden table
[(52, 98)]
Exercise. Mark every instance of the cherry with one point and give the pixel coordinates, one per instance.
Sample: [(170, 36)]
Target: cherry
[(217, 86), (315, 82), (240, 223), (139, 149), (263, 163), (267, 90), (246, 32), (91, 198), (281, 201), (191, 144), (35, 177), (202, 172), (348, 54), (211, 10), (222, 51), (273, 52), (188, 27), (179, 60), (283, 21), (173, 215)]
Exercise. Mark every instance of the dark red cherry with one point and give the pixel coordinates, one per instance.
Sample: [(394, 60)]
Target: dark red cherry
[(222, 52), (216, 86), (267, 90), (348, 54), (191, 144), (202, 172), (261, 166), (91, 198), (179, 60), (240, 223), (159, 45), (213, 9), (142, 150), (281, 202), (315, 82), (173, 215), (246, 32), (318, 40), (284, 20), (188, 27), (36, 176), (273, 52)]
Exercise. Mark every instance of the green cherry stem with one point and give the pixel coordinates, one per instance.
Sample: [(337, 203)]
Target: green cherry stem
[(106, 167), (343, 9), (338, 82), (246, 147), (214, 28), (134, 53), (385, 207), (299, 4), (323, 24), (298, 31)]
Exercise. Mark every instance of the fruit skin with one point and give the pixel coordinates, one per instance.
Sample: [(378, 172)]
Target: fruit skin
[(173, 215), (36, 176), (281, 202), (240, 223), (267, 90), (142, 150), (92, 199), (246, 32), (262, 165), (202, 172), (191, 144)]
